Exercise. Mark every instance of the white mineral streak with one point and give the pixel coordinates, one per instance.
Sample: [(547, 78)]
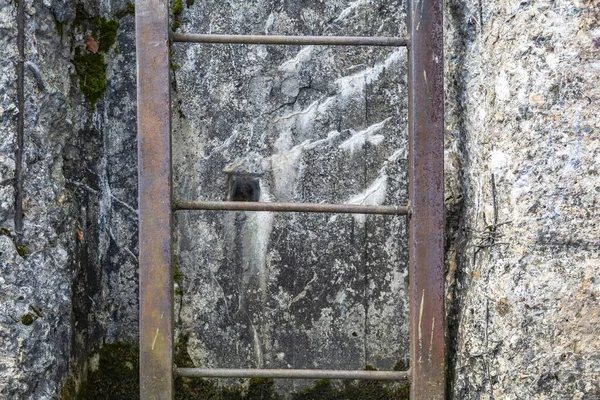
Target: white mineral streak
[(286, 164), (368, 135), (354, 84), (374, 195), (348, 11), (299, 61), (285, 291)]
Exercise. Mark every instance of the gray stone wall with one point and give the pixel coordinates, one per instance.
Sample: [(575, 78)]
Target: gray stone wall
[(36, 275), (68, 278), (310, 124), (523, 156)]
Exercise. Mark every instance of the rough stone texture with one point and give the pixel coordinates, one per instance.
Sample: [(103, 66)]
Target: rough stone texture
[(311, 124), (35, 288), (75, 278), (524, 150), (8, 107)]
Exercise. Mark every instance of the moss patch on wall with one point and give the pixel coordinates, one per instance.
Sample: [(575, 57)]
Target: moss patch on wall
[(27, 319), (106, 33), (23, 250), (91, 70), (128, 10), (69, 390), (177, 9), (91, 67), (115, 375)]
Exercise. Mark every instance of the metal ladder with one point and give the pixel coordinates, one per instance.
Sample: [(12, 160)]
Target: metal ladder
[(426, 209)]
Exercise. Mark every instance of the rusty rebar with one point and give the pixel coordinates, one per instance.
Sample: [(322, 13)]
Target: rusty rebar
[(293, 374), (290, 40), (290, 207)]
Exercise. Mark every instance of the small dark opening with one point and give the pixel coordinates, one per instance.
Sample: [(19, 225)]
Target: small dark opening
[(244, 188)]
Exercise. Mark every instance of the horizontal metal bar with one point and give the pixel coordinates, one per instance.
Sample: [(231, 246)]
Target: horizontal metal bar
[(290, 40), (289, 207), (293, 374)]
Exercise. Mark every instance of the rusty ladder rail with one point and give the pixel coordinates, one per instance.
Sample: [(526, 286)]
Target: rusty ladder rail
[(156, 206)]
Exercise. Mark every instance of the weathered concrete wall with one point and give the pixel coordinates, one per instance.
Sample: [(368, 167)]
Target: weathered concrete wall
[(524, 153), (68, 277), (36, 278), (311, 124)]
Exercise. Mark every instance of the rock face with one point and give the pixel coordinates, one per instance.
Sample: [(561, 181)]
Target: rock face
[(524, 148), (36, 245), (68, 262), (306, 124)]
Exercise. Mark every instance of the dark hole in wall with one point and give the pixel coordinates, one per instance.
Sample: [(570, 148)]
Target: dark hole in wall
[(244, 188)]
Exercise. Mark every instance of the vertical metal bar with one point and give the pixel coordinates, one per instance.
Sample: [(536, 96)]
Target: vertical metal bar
[(154, 172), (426, 191)]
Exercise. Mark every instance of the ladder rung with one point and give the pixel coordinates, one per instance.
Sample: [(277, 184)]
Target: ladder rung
[(289, 207), (293, 374), (291, 40)]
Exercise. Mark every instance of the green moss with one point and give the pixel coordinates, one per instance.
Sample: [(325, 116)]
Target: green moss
[(60, 27), (191, 388), (81, 16), (400, 366), (261, 388), (91, 70), (106, 33), (354, 390), (178, 279), (177, 7), (181, 357), (177, 274), (177, 10), (128, 10), (27, 319), (5, 232), (373, 390), (37, 311), (69, 390), (116, 377), (23, 250), (321, 390)]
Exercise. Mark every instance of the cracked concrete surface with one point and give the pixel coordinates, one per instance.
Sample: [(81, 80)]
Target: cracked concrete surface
[(313, 124)]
